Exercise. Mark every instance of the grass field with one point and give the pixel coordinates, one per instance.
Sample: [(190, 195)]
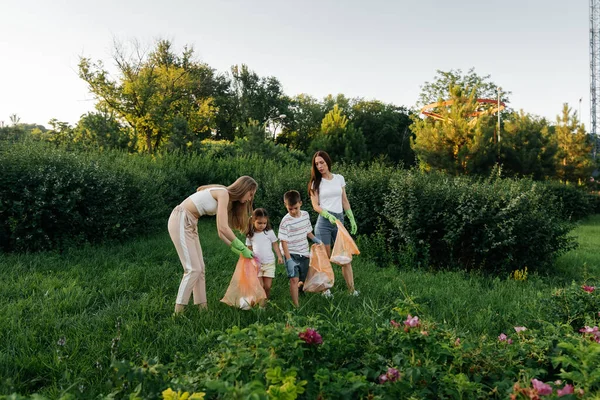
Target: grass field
[(64, 316)]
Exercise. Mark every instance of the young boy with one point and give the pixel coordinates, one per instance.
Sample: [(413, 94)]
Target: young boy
[(294, 228)]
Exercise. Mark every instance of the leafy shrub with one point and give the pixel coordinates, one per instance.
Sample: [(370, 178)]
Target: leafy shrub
[(388, 359), (574, 305), (574, 203), (496, 226), (50, 198)]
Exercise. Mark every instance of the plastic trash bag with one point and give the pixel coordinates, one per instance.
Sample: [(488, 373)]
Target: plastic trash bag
[(320, 274), (344, 246), (245, 290)]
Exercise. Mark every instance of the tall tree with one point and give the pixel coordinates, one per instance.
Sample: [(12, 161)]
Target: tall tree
[(386, 129), (304, 118), (441, 86), (255, 98), (153, 90), (102, 130), (458, 142), (340, 138), (573, 160), (527, 147)]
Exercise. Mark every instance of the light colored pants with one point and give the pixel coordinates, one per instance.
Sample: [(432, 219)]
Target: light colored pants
[(183, 228)]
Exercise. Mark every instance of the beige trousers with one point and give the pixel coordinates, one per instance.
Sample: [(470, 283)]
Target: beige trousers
[(183, 229)]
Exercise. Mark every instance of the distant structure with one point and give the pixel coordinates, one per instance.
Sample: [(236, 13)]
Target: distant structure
[(594, 72)]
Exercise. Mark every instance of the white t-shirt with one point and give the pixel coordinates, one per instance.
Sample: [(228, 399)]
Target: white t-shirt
[(330, 193), (294, 231), (262, 246)]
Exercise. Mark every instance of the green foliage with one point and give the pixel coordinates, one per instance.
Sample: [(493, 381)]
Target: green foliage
[(441, 86), (573, 305), (50, 198), (96, 306), (270, 361), (579, 363), (305, 114), (457, 144), (527, 147), (255, 98), (101, 130), (386, 131), (573, 201), (340, 139), (573, 160), (495, 226), (154, 93)]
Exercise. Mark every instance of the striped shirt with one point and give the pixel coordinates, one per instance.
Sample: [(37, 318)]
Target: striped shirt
[(294, 231)]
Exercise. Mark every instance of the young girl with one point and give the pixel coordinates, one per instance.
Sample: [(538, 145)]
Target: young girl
[(328, 197), (261, 240)]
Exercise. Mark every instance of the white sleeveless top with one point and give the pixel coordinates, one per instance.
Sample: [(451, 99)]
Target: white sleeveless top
[(204, 202)]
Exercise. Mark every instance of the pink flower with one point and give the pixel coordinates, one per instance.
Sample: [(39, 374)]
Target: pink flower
[(509, 341), (394, 324), (587, 329), (542, 388), (393, 374), (588, 289), (520, 329), (424, 333), (568, 389), (383, 378), (457, 342), (595, 333), (412, 321), (502, 337), (310, 336)]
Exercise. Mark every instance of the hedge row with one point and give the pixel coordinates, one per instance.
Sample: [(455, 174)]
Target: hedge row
[(51, 198)]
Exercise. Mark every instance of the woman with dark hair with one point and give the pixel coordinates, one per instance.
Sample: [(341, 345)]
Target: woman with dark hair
[(233, 206), (328, 197)]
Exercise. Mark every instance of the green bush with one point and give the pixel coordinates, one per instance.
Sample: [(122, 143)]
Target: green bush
[(495, 226), (50, 198), (573, 202), (575, 305), (317, 357)]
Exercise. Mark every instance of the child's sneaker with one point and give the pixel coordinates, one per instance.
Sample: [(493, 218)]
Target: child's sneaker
[(328, 294), (356, 293)]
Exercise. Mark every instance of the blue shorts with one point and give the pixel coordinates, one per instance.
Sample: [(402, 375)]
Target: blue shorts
[(325, 230), (301, 270)]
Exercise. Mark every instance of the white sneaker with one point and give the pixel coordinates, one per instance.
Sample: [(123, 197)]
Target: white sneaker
[(327, 294), (355, 293)]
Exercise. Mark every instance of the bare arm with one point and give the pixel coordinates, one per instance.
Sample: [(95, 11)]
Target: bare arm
[(276, 250), (225, 232), (286, 252), (311, 236), (314, 199), (345, 202)]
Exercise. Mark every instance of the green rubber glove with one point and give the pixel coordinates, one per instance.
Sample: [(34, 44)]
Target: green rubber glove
[(240, 248), (353, 227), (325, 214)]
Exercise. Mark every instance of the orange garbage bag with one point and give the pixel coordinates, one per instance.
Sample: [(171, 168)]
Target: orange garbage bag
[(344, 246), (245, 290), (320, 274)]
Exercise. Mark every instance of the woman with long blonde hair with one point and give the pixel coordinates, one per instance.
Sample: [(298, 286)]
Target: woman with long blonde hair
[(233, 206)]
